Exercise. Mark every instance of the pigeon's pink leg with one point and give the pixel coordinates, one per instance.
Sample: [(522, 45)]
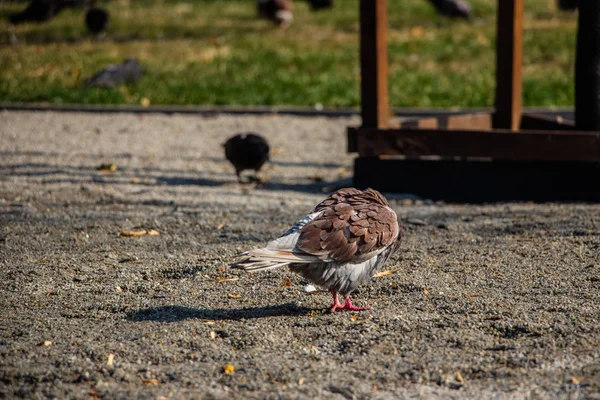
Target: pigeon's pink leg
[(336, 302), (351, 307)]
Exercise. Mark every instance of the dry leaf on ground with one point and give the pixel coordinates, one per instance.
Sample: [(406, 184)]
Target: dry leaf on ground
[(141, 232), (233, 295), (151, 382), (228, 369), (223, 279), (384, 273), (459, 377), (107, 167)]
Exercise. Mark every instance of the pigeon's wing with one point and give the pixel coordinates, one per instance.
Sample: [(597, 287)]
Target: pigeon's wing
[(352, 196), (344, 232)]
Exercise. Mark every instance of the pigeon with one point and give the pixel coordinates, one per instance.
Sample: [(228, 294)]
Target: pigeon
[(320, 4), (452, 8), (246, 151), (96, 20), (115, 74), (339, 245), (278, 11)]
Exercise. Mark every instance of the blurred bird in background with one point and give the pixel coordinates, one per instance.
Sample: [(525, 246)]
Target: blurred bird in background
[(247, 151), (278, 11), (96, 20), (452, 8), (320, 4), (567, 5), (43, 10), (129, 71)]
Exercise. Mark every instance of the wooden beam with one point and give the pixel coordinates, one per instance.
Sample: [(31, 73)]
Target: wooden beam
[(509, 64), (587, 67), (374, 64), (541, 122), (501, 144), (481, 181)]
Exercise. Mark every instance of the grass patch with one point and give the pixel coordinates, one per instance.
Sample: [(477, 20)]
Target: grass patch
[(219, 52)]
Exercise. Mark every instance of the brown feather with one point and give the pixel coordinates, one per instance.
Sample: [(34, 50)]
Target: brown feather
[(353, 223)]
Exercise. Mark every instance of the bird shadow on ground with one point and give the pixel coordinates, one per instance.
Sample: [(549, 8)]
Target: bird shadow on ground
[(180, 313)]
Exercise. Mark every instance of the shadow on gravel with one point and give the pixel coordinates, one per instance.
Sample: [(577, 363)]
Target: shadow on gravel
[(179, 313)]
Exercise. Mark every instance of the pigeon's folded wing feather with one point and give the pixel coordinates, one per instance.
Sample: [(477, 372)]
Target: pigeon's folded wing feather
[(345, 233)]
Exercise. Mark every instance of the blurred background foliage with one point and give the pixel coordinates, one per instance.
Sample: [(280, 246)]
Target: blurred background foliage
[(218, 52)]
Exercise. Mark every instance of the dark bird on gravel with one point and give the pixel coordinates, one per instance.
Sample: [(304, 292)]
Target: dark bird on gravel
[(320, 4), (338, 246), (278, 11), (452, 8), (115, 74), (96, 20), (246, 151)]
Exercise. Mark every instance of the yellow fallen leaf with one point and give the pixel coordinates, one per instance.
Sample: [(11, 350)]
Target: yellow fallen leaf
[(209, 322), (107, 167), (576, 379), (220, 227), (151, 382), (133, 233), (233, 295), (213, 335), (111, 360), (222, 279), (384, 273), (354, 317), (459, 377), (145, 102), (300, 381), (45, 343), (425, 291), (228, 369), (141, 232)]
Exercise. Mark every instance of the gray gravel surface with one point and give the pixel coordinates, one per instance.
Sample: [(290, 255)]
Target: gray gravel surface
[(483, 301)]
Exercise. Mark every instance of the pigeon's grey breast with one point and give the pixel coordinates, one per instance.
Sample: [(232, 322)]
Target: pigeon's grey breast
[(343, 277)]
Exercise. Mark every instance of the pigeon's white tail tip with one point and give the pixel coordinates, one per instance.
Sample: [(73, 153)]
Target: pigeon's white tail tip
[(265, 259)]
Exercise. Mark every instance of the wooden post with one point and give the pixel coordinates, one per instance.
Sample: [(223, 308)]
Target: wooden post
[(587, 67), (509, 64), (373, 63)]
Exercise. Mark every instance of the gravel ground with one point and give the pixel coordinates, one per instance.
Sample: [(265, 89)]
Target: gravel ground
[(483, 301)]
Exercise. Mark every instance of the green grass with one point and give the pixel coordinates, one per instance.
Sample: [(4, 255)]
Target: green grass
[(219, 52)]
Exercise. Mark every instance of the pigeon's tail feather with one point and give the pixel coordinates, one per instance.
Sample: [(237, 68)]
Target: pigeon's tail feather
[(265, 259)]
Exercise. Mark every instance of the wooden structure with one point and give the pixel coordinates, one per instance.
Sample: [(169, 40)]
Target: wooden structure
[(505, 155)]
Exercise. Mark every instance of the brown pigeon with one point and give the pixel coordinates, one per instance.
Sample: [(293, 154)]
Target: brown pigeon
[(338, 246)]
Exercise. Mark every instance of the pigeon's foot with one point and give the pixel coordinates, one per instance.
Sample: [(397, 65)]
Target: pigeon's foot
[(255, 179), (348, 306), (337, 306)]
